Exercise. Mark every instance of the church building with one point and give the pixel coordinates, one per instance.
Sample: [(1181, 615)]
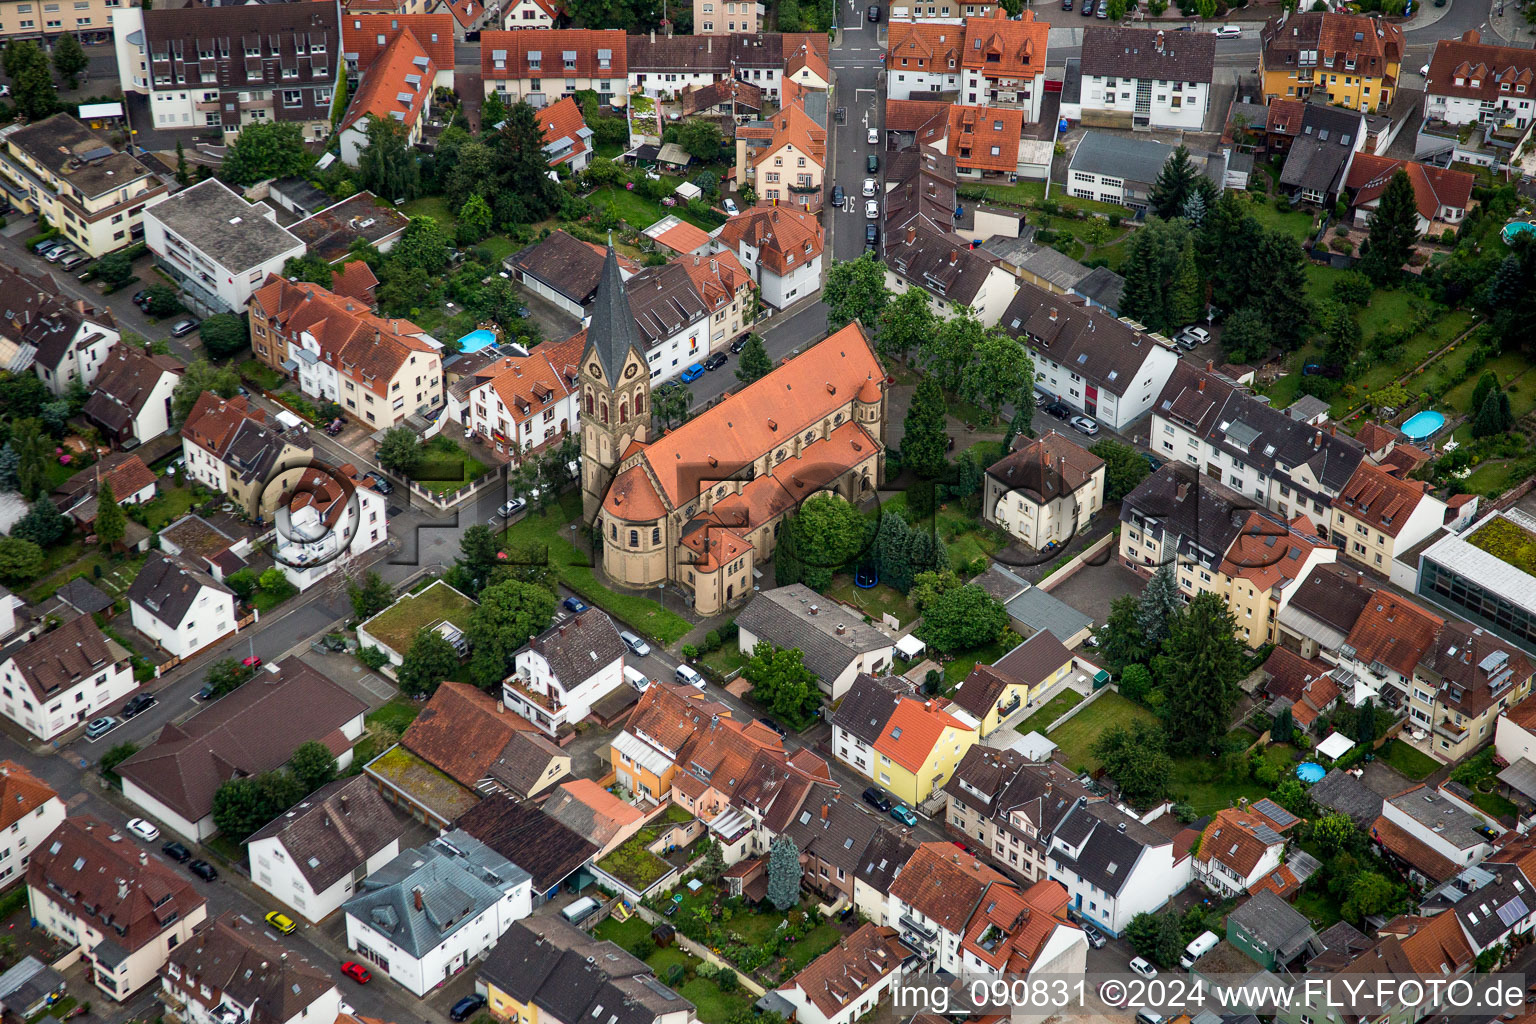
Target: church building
[(701, 505)]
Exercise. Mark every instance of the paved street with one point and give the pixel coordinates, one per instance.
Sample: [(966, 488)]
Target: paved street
[(857, 64)]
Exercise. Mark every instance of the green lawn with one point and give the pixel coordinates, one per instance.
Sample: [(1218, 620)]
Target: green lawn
[(1506, 366), (875, 601), (396, 625), (168, 506), (1492, 478), (725, 659), (260, 374), (713, 1005), (816, 942), (1495, 805), (1051, 710), (640, 212), (549, 535), (442, 472), (1297, 223), (1075, 738), (1320, 908), (967, 537), (957, 669), (435, 207), (1407, 761), (397, 715), (1199, 782), (498, 248), (1032, 193), (623, 933), (69, 561)]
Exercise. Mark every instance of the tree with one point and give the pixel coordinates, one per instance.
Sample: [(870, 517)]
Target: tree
[(827, 533), (1486, 385), (387, 166), (116, 756), (1342, 331), (1365, 723), (492, 112), (1136, 683), (10, 465), (998, 370), (925, 437), (1155, 274), (700, 139), (906, 324), (115, 269), (929, 586), (20, 560), (422, 246), (1173, 185), (183, 175), (266, 149), (892, 550), (783, 873), (1194, 207), (1124, 468), (1137, 760), (31, 80), (1369, 893), (1201, 666), (226, 676), (1116, 10), (371, 596), (475, 220), (526, 193), (754, 363), (197, 378), (43, 525), (224, 335), (313, 764), (672, 408), (69, 60), (239, 808), (855, 290), (400, 451), (1156, 937), (713, 865), (1335, 833), (479, 553), (111, 521), (1159, 605), (963, 619), (1493, 416), (1186, 292), (34, 455), (161, 300), (1283, 728), (781, 682), (952, 349), (1352, 288), (429, 660), (1393, 228), (508, 614)]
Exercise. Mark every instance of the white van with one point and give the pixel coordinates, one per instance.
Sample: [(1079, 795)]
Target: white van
[(580, 910), (634, 677), (688, 677), (1203, 944)]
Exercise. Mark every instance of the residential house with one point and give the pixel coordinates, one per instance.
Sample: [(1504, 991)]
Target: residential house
[(933, 899), (379, 370), (87, 873), (986, 142), (253, 729), (1044, 267), (397, 87), (529, 838), (1214, 540), (1147, 78), (1003, 63), (90, 24), (740, 101), (555, 971), (1488, 900), (780, 248), (923, 58), (725, 17), (230, 448), (313, 855), (180, 607), (1305, 686), (523, 403), (425, 915), (1114, 866), (1010, 805), (365, 37), (60, 170), (1242, 846), (1045, 491), (567, 139), (1440, 195), (1088, 359), (787, 167), (1340, 791), (647, 752), (953, 275), (837, 643), (217, 247), (131, 398), (907, 746), (1378, 516), (132, 483), (468, 735), (63, 678), (541, 67), (674, 64), (564, 270), (1121, 169), (29, 812), (1017, 933), (1514, 737), (1271, 931), (687, 309), (468, 16), (588, 809), (235, 968), (832, 830), (565, 670), (878, 867), (61, 338), (1356, 60), (1443, 821), (1028, 673), (1318, 159), (326, 516), (940, 10), (530, 14), (1488, 86), (252, 63), (848, 980), (1477, 680), (1410, 944)]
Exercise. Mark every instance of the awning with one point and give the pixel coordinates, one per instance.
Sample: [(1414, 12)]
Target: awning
[(910, 646), (290, 365), (1335, 746), (1520, 777)]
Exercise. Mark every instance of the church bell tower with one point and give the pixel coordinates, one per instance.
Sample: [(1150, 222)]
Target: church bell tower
[(615, 384)]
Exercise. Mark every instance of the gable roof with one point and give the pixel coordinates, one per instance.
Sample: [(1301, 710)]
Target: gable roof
[(913, 730), (944, 884), (1433, 187), (529, 838), (578, 647), (236, 958), (361, 33), (21, 793), (588, 809), (38, 313), (334, 831), (829, 634), (1238, 839), (974, 132), (867, 706), (566, 135), (1274, 924), (1102, 349), (1149, 53), (168, 586), (124, 384), (1380, 500), (1373, 44), (543, 53), (63, 657), (785, 238), (397, 86), (1498, 70), (1046, 468), (839, 977), (465, 732), (1000, 46), (924, 45)]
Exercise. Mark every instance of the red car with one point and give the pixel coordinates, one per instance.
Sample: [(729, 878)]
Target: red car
[(356, 971), (254, 661)]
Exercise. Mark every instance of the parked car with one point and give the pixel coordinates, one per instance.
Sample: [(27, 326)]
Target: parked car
[(1058, 409), (202, 869), (100, 726), (1087, 10), (715, 361), (251, 661), (740, 343), (1084, 425), (145, 830), (1143, 968), (729, 206), (1227, 32), (1103, 9), (141, 296), (693, 373), (183, 327), (873, 137), (38, 248), (634, 643), (356, 971), (79, 259), (1184, 341), (466, 1007), (1041, 399), (58, 252), (775, 726), (379, 483), (688, 677), (905, 815), (1067, 5), (1424, 71), (871, 235), (1199, 335), (872, 209), (178, 853), (206, 693), (512, 508), (872, 163), (574, 605), (869, 189), (282, 922), (143, 702), (1095, 937), (873, 13), (837, 196), (877, 799)]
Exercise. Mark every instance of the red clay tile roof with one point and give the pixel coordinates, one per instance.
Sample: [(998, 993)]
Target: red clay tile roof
[(1000, 47), (551, 44), (924, 46), (128, 476), (1281, 881), (717, 277), (590, 810), (1269, 554), (839, 977), (527, 385), (213, 420), (667, 716), (684, 238), (397, 86), (912, 115), (974, 132), (1375, 436), (1438, 946), (807, 57), (945, 884), (1433, 187), (360, 34), (1499, 71), (462, 731), (1285, 116), (1430, 863), (792, 126), (1230, 839), (1393, 631), (785, 238), (1379, 499), (355, 280), (1336, 37), (1010, 928), (563, 120), (21, 793), (913, 729)]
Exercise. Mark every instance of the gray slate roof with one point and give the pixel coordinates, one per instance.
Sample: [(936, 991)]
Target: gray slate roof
[(1133, 159), (611, 332), (867, 706), (1275, 925), (1114, 843), (83, 596), (785, 617), (1340, 791), (224, 227), (577, 647), (168, 586)]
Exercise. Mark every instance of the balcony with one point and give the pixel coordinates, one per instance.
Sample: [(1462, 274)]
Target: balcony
[(1450, 730), (543, 700), (805, 190), (926, 931), (262, 104)]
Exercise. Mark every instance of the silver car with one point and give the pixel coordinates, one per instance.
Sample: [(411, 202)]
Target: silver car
[(634, 643)]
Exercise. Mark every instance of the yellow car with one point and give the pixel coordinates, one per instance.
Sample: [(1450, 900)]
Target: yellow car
[(282, 922)]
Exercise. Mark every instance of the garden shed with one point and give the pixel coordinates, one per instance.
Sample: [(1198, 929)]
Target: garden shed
[(663, 934)]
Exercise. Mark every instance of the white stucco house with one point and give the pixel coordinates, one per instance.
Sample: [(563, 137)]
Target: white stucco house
[(179, 606), (237, 971), (426, 914), (1147, 78), (29, 812), (332, 516), (1115, 867), (780, 247), (64, 678), (565, 670)]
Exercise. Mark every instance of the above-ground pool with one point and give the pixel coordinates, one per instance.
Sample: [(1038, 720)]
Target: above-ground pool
[(1310, 771), (1423, 425), (474, 341), (1514, 228)]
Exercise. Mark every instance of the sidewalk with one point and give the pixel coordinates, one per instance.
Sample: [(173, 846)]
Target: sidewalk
[(1507, 22)]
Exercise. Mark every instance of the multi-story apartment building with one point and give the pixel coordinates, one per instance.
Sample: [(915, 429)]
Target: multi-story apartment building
[(565, 670), (60, 169), (1010, 805), (1480, 574), (1044, 492), (61, 339), (230, 447), (784, 159), (1147, 78), (671, 64), (949, 11), (1003, 63), (59, 680), (90, 21), (365, 37), (1378, 516), (29, 812), (1355, 59), (907, 746), (1475, 83), (530, 14), (237, 970), (181, 608), (923, 58), (379, 370), (397, 87), (541, 67), (780, 247), (230, 66), (522, 404), (218, 247), (727, 17), (689, 308)]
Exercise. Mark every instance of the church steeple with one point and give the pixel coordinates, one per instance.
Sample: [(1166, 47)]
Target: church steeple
[(615, 382), (611, 332)]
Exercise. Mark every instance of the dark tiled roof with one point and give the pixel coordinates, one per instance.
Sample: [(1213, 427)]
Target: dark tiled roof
[(887, 853), (334, 830), (83, 596), (784, 617), (1334, 595), (1149, 53), (64, 657), (168, 586), (236, 958), (569, 265), (38, 313), (579, 646), (1098, 347), (1114, 843), (529, 838), (1203, 516), (866, 707), (1046, 468), (1275, 925), (939, 264)]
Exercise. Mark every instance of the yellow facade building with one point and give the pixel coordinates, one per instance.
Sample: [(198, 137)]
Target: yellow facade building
[(1356, 60)]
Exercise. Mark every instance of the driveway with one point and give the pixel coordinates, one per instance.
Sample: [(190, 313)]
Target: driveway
[(1093, 588)]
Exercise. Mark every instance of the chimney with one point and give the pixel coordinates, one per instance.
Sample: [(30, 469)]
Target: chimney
[(911, 233), (1053, 314), (1317, 439), (841, 629), (653, 37), (1210, 364), (1200, 384), (814, 609), (824, 809), (709, 44), (341, 802), (954, 254), (1159, 41), (143, 857), (416, 896), (501, 708)]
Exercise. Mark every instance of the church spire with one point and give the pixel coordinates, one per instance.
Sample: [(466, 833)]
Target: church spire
[(611, 331)]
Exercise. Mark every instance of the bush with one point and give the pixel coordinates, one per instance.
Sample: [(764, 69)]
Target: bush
[(374, 658)]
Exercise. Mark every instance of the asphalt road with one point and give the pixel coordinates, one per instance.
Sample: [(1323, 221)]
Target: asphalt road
[(857, 63)]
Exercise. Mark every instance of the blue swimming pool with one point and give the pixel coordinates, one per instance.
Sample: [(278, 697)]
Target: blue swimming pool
[(1423, 425), (1310, 771), (1515, 228), (474, 341)]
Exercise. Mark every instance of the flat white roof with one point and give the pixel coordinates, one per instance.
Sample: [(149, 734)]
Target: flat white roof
[(90, 110), (1335, 746)]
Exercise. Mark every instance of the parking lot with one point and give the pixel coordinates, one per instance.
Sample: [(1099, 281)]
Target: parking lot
[(1093, 588)]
